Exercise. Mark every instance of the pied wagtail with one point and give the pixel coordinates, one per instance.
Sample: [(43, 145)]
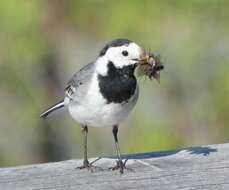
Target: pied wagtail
[(103, 93)]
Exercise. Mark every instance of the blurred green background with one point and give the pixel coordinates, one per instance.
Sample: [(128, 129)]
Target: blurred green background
[(43, 42)]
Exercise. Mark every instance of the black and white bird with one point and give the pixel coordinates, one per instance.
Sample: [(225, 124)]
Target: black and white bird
[(103, 93)]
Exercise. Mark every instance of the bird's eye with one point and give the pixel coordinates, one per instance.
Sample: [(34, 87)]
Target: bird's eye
[(125, 53)]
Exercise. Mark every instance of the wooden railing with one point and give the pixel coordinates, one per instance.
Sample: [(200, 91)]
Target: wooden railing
[(204, 167)]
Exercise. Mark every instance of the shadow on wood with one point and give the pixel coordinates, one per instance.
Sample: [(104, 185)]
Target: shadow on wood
[(204, 150)]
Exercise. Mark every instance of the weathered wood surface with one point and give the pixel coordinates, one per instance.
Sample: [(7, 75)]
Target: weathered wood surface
[(205, 167)]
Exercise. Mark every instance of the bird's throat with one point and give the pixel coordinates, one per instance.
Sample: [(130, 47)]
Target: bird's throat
[(119, 84)]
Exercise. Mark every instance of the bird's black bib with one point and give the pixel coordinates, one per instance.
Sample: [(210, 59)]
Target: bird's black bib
[(119, 84)]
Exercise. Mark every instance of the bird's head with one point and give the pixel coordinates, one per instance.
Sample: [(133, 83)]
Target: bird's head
[(125, 53), (121, 52)]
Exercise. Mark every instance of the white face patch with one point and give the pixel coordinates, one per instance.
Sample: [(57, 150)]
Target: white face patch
[(120, 56), (101, 66)]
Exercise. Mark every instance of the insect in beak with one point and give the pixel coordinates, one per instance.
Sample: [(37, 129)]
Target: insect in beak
[(150, 66)]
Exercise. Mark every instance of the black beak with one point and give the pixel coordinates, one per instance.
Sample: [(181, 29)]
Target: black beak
[(143, 59)]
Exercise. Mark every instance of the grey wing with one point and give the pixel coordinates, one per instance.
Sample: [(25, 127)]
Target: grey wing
[(78, 85)]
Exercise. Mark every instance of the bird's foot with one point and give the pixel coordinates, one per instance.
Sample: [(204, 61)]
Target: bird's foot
[(86, 165), (119, 165), (89, 166)]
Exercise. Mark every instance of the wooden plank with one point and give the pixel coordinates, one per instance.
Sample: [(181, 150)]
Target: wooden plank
[(205, 167)]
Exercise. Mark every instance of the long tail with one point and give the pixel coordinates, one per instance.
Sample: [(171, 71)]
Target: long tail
[(53, 108)]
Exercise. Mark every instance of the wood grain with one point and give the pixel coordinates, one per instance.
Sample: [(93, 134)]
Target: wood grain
[(205, 167)]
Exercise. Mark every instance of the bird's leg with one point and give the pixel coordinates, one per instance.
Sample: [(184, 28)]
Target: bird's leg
[(86, 163), (120, 165)]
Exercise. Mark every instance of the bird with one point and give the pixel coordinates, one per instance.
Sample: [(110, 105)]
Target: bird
[(104, 92)]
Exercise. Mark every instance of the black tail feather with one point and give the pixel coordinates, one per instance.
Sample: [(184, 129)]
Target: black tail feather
[(52, 108)]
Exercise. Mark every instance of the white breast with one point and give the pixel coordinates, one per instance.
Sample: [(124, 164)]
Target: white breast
[(93, 111)]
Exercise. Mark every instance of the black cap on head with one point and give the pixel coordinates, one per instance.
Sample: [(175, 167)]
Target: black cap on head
[(114, 43)]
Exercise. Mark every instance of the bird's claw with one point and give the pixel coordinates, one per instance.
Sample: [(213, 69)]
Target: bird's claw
[(86, 165), (89, 166), (119, 165)]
